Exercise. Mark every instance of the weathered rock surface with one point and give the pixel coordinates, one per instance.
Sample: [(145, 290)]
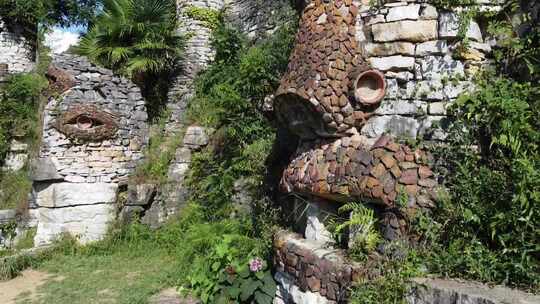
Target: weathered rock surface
[(431, 291), (16, 50), (86, 223), (59, 195), (415, 31)]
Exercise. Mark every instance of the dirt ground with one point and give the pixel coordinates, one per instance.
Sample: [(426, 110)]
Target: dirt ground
[(27, 283)]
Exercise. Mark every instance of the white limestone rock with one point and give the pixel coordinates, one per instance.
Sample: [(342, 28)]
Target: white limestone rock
[(196, 137), (58, 195), (435, 47), (85, 223), (414, 31), (395, 125), (437, 108), (397, 62), (399, 107), (315, 229), (288, 292), (438, 67), (15, 161), (429, 12), (389, 49), (409, 12)]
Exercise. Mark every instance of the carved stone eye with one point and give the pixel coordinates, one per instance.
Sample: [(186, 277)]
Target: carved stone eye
[(87, 123), (370, 87), (84, 122)]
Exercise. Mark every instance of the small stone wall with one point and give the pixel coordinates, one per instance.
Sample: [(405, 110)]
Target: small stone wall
[(416, 46), (256, 17), (94, 131), (15, 50), (308, 272), (430, 291), (197, 55)]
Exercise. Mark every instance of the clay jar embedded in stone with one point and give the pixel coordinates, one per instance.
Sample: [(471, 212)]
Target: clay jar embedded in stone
[(370, 87)]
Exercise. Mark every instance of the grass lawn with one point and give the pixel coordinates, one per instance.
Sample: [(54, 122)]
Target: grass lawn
[(120, 277)]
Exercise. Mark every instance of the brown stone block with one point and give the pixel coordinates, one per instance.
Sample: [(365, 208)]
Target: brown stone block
[(313, 283), (388, 160), (378, 170), (389, 184), (377, 192), (381, 142), (400, 156), (409, 157), (424, 172), (363, 156), (377, 153), (372, 182), (408, 165), (396, 172), (409, 177), (428, 183), (411, 190), (393, 147)]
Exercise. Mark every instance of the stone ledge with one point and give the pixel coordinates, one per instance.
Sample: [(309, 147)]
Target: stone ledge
[(312, 269), (429, 291)]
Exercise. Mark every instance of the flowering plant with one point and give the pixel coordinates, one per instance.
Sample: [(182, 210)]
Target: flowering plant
[(255, 265)]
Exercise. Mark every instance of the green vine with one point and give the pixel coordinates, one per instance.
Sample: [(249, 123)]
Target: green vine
[(209, 17)]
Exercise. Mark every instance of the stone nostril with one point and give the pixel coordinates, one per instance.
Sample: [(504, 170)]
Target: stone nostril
[(370, 87)]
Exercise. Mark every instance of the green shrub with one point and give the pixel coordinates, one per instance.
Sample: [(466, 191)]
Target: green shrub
[(489, 226), (19, 103), (15, 188)]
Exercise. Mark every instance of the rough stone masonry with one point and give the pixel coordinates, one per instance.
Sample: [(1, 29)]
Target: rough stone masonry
[(348, 148), (94, 130)]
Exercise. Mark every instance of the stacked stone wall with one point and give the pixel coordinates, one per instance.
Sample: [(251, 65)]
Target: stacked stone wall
[(309, 272), (256, 17), (97, 157), (417, 47), (17, 53), (93, 134)]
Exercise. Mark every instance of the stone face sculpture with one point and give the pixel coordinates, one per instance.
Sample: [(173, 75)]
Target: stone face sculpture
[(327, 95), (364, 74), (94, 130)]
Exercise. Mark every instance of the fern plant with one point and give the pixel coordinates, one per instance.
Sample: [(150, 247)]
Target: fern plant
[(361, 224)]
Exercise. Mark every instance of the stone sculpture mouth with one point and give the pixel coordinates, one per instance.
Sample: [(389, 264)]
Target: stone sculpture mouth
[(301, 117)]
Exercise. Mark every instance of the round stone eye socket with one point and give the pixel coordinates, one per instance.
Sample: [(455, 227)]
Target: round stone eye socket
[(84, 122), (370, 87)]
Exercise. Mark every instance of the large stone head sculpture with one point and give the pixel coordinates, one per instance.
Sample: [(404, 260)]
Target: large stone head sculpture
[(94, 129), (359, 79)]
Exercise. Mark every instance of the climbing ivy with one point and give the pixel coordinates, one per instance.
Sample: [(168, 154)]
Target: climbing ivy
[(209, 17)]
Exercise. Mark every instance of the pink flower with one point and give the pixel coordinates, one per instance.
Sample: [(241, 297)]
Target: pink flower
[(255, 265)]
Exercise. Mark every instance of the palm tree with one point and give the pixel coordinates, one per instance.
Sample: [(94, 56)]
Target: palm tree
[(138, 39)]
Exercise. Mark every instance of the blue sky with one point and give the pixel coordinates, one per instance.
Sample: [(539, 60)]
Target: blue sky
[(61, 38)]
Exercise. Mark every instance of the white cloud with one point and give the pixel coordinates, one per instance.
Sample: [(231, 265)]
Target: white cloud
[(59, 40)]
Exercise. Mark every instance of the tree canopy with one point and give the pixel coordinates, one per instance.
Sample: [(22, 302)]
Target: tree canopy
[(49, 12)]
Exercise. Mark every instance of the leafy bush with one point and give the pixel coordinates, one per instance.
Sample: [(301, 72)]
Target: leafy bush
[(393, 285), (19, 103), (489, 226), (228, 95), (15, 187)]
